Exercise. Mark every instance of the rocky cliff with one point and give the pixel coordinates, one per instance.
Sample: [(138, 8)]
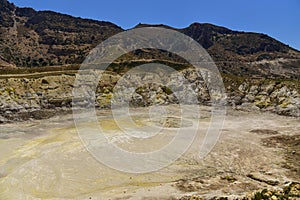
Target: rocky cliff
[(42, 95)]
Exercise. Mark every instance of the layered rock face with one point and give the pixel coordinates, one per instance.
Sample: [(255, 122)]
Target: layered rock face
[(269, 95), (33, 96)]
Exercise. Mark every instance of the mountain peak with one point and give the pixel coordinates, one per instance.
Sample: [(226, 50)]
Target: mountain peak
[(141, 25)]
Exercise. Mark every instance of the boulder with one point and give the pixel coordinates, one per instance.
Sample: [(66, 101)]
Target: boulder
[(3, 120)]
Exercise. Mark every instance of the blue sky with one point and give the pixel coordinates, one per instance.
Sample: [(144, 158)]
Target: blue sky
[(277, 18)]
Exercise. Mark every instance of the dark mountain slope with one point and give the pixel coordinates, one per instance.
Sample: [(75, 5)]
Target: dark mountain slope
[(30, 38), (45, 38)]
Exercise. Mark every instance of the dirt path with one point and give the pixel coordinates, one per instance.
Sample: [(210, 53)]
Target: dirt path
[(38, 74)]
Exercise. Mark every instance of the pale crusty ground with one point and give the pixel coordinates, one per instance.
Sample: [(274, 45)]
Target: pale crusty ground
[(46, 160)]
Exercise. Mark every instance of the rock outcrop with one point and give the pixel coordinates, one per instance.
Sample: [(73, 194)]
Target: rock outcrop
[(291, 191), (281, 97), (24, 97)]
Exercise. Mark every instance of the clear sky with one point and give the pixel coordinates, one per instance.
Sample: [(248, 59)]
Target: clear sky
[(277, 18)]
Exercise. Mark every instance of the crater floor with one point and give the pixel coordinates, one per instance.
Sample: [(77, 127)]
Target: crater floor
[(46, 159)]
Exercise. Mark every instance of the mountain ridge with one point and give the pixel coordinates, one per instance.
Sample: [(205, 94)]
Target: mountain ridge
[(30, 38)]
